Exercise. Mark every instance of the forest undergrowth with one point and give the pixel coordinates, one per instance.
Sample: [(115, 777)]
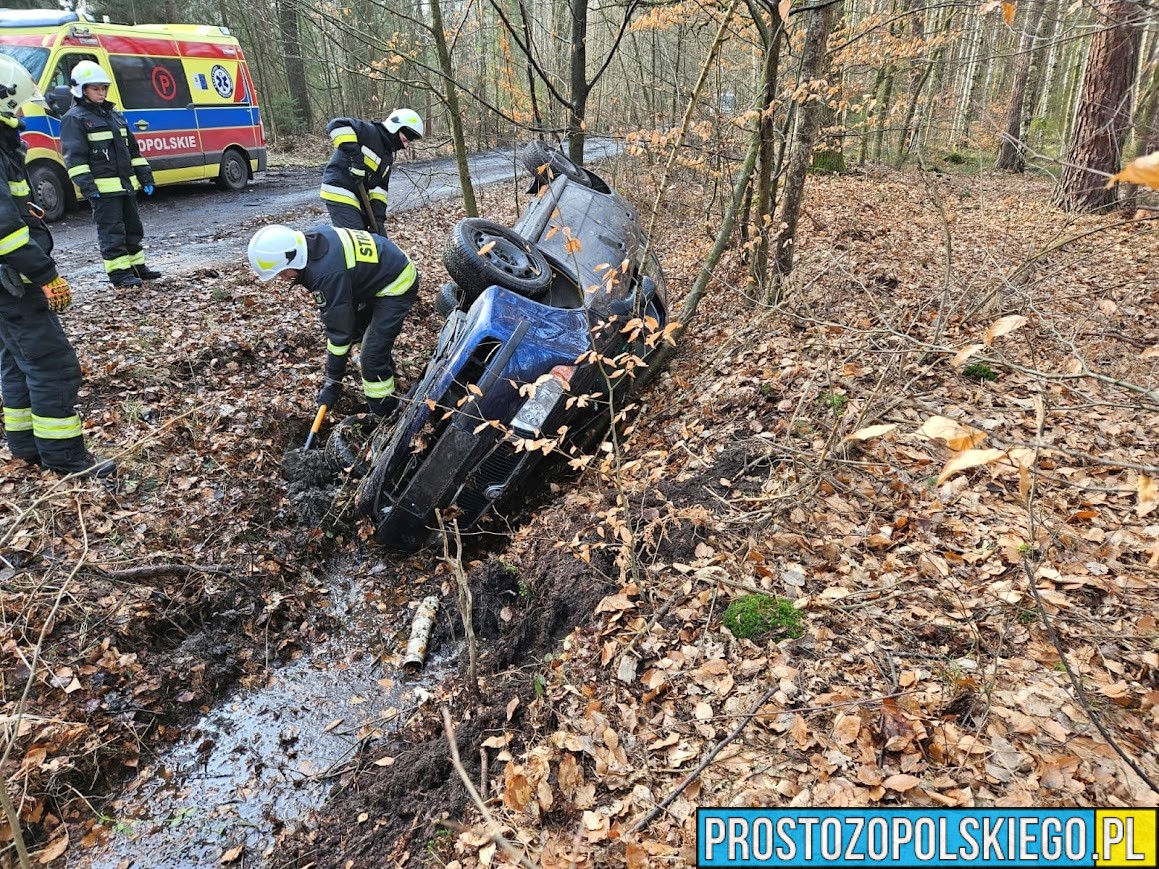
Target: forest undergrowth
[(939, 448)]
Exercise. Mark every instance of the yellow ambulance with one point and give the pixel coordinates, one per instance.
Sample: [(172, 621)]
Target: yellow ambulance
[(185, 90)]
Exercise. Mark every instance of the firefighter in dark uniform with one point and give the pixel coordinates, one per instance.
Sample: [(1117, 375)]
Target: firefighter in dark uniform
[(364, 153), (364, 286), (104, 160), (39, 371)]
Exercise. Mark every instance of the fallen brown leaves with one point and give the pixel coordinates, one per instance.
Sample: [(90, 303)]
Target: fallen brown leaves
[(127, 607), (843, 453)]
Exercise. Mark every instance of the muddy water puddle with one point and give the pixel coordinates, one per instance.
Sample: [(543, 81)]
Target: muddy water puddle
[(263, 758)]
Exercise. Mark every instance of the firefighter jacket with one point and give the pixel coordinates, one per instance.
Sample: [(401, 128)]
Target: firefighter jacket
[(101, 152), (25, 242), (347, 269), (364, 153)]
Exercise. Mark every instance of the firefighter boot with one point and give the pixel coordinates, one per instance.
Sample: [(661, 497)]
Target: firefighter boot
[(22, 445), (382, 407), (145, 273), (124, 279), (69, 456)]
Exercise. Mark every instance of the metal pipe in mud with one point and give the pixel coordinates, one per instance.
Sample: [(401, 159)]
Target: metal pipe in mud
[(420, 634)]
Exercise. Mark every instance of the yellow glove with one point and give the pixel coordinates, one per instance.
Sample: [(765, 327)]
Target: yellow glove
[(59, 295)]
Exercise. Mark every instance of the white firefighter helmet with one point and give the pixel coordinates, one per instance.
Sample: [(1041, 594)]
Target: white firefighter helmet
[(275, 248), (406, 121), (85, 73), (16, 86)]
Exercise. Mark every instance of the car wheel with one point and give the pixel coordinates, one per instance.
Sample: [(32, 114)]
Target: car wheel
[(234, 173), (535, 155), (347, 443), (48, 190), (481, 253), (448, 299)]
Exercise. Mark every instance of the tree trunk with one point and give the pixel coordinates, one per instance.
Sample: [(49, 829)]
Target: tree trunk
[(1012, 150), (1104, 110), (295, 66), (812, 61), (579, 80), (451, 97), (765, 193)]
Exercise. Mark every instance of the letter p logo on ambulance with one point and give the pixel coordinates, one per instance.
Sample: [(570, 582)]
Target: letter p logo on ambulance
[(930, 838)]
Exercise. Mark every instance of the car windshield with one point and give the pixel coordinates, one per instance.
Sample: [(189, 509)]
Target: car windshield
[(32, 59)]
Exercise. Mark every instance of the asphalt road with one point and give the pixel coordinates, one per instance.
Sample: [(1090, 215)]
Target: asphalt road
[(195, 226)]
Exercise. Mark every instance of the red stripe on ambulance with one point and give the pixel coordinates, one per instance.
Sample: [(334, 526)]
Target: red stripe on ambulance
[(138, 45)]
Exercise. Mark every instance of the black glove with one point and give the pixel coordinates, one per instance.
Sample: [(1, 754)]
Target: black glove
[(330, 393)]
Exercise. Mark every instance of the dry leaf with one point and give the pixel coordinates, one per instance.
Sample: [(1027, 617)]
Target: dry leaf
[(1003, 326), (1008, 10), (783, 9), (384, 761), (1147, 492), (901, 782), (233, 853), (965, 353), (1142, 170), (968, 459), (958, 437), (53, 850), (486, 249), (873, 431)]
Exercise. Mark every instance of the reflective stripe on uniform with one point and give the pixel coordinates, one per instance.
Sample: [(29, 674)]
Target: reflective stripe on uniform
[(139, 161), (333, 193), (136, 182), (110, 185), (378, 195), (370, 159), (18, 419), (19, 188), (338, 349), (81, 169), (56, 428), (378, 388), (14, 241), (347, 246), (119, 264), (343, 135), (400, 284), (137, 259), (99, 136)]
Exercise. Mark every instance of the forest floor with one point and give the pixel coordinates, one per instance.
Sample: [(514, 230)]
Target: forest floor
[(940, 447)]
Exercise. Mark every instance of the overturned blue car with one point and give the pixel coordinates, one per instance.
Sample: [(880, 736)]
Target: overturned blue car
[(549, 323)]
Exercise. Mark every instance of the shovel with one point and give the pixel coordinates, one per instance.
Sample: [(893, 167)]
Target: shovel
[(316, 426)]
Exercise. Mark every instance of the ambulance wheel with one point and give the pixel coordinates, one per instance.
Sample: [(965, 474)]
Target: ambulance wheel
[(234, 173), (48, 190)]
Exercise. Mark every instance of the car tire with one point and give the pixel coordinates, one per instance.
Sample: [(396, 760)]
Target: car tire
[(536, 154), (49, 191), (448, 299), (510, 261), (234, 173), (347, 443)]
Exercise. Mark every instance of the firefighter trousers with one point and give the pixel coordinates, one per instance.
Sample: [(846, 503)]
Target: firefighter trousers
[(119, 234), (349, 217), (39, 379), (377, 357)]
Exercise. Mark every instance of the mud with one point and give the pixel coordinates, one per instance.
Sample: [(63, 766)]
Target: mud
[(519, 615)]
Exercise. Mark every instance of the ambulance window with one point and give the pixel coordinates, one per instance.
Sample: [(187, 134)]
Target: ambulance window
[(62, 75), (150, 82)]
